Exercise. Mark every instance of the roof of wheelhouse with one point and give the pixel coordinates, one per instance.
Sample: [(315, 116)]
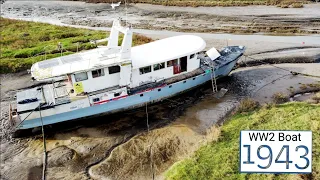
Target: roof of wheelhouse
[(141, 56), (165, 50)]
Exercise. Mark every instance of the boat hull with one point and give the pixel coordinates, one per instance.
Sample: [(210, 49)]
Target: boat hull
[(130, 102)]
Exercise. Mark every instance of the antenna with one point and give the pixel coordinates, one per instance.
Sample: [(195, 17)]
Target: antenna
[(125, 5)]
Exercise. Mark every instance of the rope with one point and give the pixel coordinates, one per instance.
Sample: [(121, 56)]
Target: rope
[(44, 166), (29, 113), (270, 83), (151, 155), (292, 72), (147, 117), (151, 160)]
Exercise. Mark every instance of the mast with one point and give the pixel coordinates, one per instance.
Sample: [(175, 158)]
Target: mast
[(125, 52)]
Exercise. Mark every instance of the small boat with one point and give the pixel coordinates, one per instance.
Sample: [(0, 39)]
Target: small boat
[(115, 78)]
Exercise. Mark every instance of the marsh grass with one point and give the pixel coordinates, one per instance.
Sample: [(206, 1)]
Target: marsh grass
[(279, 98), (316, 98), (220, 160), (247, 105), (24, 43)]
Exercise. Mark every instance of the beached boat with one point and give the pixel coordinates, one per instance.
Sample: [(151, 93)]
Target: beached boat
[(116, 78)]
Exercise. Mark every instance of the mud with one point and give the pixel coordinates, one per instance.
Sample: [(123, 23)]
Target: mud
[(78, 153), (121, 146), (251, 19)]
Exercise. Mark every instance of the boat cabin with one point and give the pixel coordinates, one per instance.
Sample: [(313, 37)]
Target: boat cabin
[(165, 58), (115, 67)]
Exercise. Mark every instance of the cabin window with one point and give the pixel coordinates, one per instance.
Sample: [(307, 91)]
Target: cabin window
[(145, 70), (192, 56), (172, 63), (81, 76), (114, 69), (158, 66), (97, 73), (116, 94)]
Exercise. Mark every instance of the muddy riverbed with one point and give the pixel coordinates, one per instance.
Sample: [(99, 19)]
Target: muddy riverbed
[(123, 146), (251, 19)]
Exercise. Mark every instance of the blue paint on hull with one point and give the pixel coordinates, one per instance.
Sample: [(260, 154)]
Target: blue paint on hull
[(130, 102)]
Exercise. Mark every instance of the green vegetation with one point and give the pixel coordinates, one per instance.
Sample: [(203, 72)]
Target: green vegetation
[(220, 159), (196, 3), (24, 43)]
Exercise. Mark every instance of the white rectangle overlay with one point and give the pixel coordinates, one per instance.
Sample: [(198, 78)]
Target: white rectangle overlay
[(276, 152)]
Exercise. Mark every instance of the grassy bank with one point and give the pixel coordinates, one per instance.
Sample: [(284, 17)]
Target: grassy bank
[(220, 160), (209, 3), (24, 43)]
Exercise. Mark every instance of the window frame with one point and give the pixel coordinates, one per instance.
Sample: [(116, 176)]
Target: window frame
[(112, 71), (99, 74), (143, 70), (160, 65), (76, 79), (173, 62)]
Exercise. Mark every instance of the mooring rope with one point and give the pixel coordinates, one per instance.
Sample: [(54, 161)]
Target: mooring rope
[(147, 117), (151, 154), (44, 166), (28, 114), (292, 72)]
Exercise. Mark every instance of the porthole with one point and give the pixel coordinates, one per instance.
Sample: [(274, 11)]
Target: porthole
[(184, 81), (170, 86), (194, 78), (96, 99), (141, 95), (159, 90)]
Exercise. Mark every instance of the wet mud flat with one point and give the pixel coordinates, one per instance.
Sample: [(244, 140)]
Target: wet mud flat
[(250, 19), (121, 146), (83, 149)]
